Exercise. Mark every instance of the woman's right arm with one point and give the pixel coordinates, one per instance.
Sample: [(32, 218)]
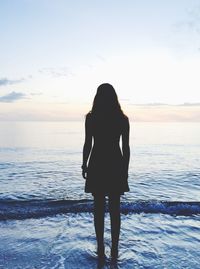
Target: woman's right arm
[(125, 145), (87, 145)]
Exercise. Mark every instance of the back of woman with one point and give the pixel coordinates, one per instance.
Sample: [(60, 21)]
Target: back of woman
[(105, 164), (105, 167)]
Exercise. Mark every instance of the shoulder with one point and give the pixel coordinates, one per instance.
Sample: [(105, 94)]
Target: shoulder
[(88, 118), (125, 122), (125, 119)]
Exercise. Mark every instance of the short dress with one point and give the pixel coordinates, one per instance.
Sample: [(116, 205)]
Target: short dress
[(106, 170)]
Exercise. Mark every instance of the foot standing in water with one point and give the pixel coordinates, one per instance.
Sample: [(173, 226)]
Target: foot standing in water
[(105, 165)]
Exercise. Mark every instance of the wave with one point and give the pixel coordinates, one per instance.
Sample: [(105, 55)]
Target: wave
[(13, 209)]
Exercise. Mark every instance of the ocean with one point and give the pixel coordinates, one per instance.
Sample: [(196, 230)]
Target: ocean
[(46, 219)]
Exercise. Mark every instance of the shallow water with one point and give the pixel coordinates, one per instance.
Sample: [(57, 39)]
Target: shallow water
[(46, 218), (68, 241)]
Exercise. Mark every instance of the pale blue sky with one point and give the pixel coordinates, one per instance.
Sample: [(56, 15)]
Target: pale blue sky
[(54, 54)]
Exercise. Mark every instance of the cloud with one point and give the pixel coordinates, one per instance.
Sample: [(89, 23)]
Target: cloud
[(5, 81), (56, 72), (35, 93), (150, 104), (12, 97), (165, 104), (190, 104), (164, 113)]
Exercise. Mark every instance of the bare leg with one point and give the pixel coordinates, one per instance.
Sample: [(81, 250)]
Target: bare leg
[(99, 211), (114, 208)]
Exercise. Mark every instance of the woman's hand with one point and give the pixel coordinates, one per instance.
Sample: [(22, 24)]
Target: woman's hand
[(126, 175), (84, 171), (125, 172)]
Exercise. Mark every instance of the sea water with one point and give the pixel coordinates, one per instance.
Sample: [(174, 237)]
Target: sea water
[(46, 219)]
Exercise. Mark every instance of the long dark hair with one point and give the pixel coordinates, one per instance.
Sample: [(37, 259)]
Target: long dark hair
[(106, 103)]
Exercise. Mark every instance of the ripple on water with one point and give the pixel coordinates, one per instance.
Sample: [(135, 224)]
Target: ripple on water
[(68, 241)]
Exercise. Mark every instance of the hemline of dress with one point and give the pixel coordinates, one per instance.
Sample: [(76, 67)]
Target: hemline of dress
[(107, 193)]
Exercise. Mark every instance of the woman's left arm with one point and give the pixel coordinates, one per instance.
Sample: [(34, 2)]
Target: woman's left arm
[(87, 145), (125, 145)]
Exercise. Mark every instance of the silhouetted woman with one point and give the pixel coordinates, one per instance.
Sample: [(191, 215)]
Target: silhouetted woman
[(106, 172)]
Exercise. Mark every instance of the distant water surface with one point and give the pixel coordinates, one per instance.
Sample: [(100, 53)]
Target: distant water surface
[(41, 160)]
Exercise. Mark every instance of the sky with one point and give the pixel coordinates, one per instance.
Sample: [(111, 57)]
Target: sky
[(55, 53)]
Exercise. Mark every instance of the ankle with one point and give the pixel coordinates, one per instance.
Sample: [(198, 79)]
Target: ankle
[(100, 248), (114, 252)]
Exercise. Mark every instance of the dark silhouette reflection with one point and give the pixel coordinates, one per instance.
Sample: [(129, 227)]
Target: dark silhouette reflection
[(105, 164)]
